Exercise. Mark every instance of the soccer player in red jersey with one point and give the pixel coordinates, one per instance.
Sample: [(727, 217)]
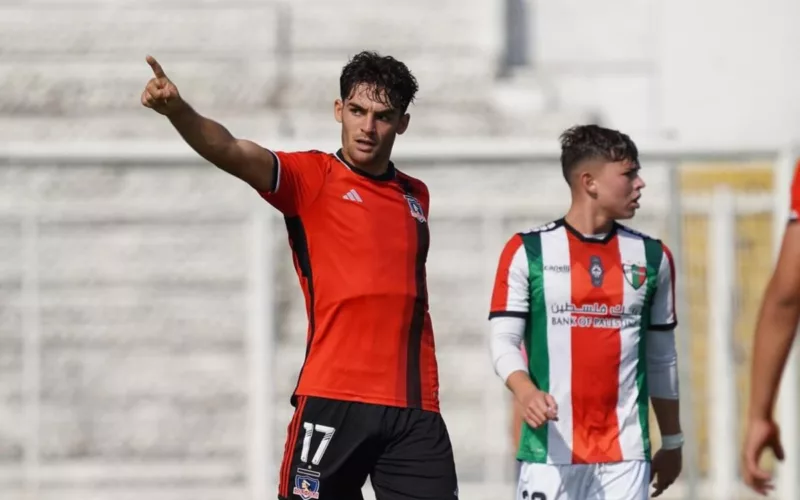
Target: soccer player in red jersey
[(775, 333), (366, 402)]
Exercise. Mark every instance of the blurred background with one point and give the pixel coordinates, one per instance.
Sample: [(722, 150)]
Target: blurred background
[(151, 324)]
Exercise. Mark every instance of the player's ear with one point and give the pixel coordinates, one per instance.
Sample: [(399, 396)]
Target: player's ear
[(588, 181), (403, 125), (338, 109)]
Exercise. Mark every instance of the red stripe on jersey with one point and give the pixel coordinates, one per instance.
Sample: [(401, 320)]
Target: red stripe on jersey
[(500, 292), (289, 448), (429, 368), (671, 261), (595, 354), (794, 207)]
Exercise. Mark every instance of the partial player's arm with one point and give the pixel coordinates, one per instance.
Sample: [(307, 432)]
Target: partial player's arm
[(241, 158), (509, 310), (774, 336), (775, 332), (662, 376), (776, 326), (516, 416), (662, 356)]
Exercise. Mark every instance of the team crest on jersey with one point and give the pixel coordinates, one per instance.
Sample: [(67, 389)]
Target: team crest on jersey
[(635, 275), (596, 270), (415, 207), (306, 487)]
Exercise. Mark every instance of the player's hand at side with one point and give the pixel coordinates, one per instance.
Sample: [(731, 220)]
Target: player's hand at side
[(160, 94), (538, 407), (761, 434), (665, 468)]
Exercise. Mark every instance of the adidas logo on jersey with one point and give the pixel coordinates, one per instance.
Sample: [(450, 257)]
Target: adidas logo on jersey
[(352, 195)]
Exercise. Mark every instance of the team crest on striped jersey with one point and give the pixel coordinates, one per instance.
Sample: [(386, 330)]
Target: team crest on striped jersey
[(635, 275), (596, 270)]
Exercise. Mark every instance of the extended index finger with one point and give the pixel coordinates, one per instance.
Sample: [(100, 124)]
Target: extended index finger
[(157, 69)]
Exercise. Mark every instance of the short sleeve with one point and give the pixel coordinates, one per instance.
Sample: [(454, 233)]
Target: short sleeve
[(299, 178), (662, 311), (794, 208), (424, 198), (510, 296)]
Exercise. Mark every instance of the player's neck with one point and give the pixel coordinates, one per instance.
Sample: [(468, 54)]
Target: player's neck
[(588, 222), (375, 169)]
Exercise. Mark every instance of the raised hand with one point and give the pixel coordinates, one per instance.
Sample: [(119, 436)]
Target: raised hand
[(160, 94)]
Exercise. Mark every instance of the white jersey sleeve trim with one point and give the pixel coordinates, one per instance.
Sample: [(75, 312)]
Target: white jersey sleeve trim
[(512, 296), (276, 180), (662, 364), (505, 346)]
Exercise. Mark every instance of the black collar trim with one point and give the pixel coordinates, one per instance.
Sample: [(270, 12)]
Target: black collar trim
[(386, 176), (586, 239)]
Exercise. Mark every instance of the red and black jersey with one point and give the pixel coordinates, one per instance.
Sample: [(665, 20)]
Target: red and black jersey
[(794, 207), (359, 245)]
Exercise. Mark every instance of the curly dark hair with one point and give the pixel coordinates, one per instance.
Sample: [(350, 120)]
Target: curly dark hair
[(391, 81), (590, 142)]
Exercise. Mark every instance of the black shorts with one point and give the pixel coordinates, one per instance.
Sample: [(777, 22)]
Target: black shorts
[(332, 446)]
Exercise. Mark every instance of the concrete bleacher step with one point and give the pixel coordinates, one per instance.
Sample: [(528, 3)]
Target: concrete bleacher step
[(145, 403), (87, 87), (199, 253), (141, 430), (260, 97), (415, 26), (120, 375), (111, 31), (224, 54), (130, 317), (11, 254), (223, 28), (90, 198)]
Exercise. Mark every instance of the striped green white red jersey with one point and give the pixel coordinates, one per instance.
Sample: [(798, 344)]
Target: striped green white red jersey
[(588, 304)]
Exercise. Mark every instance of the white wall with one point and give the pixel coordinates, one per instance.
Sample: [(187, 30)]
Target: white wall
[(730, 69), (711, 71)]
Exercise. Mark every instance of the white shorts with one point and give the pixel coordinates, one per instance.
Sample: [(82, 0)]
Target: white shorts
[(612, 481)]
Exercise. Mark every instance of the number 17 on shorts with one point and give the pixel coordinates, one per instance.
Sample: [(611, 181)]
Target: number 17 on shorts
[(306, 481)]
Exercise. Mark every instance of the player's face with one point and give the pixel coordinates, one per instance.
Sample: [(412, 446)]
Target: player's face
[(618, 188), (369, 127)]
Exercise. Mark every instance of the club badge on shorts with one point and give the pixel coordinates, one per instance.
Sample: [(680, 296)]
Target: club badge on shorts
[(306, 487), (415, 207)]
